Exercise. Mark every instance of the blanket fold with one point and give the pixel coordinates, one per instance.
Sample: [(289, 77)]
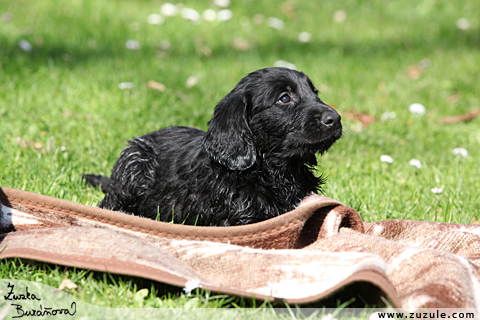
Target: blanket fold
[(302, 256)]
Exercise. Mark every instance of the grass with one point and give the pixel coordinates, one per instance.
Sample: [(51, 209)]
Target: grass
[(62, 113)]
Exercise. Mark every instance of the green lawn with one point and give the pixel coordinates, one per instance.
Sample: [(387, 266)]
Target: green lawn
[(62, 112)]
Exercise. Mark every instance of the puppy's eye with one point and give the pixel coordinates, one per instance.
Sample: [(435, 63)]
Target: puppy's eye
[(285, 98)]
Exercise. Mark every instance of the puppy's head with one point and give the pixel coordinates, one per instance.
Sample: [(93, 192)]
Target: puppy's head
[(272, 113)]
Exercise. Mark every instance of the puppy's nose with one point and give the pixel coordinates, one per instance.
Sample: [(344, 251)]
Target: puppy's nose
[(331, 118)]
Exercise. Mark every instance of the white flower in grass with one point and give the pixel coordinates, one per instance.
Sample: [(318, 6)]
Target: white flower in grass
[(339, 16), (276, 23), (437, 190), (190, 14), (284, 64), (190, 285), (132, 45), (424, 63), (155, 18), (388, 115), (460, 151), (25, 45), (386, 158), (168, 9), (192, 81), (125, 85), (417, 108), (225, 15), (415, 163), (209, 15), (305, 37), (222, 3), (463, 24)]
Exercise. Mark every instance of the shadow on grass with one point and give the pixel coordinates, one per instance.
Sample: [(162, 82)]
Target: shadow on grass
[(72, 56)]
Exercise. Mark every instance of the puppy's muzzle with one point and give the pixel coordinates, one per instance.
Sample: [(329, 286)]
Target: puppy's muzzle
[(324, 122), (331, 120)]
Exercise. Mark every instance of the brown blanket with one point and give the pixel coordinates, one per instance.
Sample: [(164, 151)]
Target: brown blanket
[(303, 256)]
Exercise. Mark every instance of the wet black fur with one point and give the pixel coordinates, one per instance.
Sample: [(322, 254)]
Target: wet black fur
[(255, 161)]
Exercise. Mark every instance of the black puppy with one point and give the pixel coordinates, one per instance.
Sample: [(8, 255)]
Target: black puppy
[(255, 161)]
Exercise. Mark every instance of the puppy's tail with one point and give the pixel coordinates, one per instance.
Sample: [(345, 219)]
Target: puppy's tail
[(96, 181)]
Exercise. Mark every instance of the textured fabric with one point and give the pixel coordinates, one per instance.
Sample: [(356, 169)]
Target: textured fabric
[(305, 255)]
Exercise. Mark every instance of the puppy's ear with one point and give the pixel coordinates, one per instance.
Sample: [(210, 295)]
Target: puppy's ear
[(229, 140)]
